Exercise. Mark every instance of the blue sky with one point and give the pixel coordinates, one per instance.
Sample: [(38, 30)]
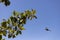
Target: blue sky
[(48, 13)]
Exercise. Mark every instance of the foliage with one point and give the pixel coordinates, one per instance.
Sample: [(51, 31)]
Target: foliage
[(6, 2), (15, 24)]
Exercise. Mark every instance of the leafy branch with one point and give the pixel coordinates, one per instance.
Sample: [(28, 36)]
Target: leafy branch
[(14, 25)]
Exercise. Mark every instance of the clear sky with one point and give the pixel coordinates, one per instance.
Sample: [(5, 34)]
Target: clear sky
[(48, 13)]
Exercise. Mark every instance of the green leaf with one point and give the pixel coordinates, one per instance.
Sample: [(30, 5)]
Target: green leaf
[(15, 28), (14, 36), (9, 35), (20, 32), (1, 32), (4, 32), (3, 24), (0, 37), (15, 13), (28, 12), (22, 28), (9, 21), (8, 28), (2, 0), (33, 11), (35, 17), (7, 2), (13, 19), (17, 33)]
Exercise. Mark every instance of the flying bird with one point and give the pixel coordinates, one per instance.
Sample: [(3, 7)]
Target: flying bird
[(47, 29)]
